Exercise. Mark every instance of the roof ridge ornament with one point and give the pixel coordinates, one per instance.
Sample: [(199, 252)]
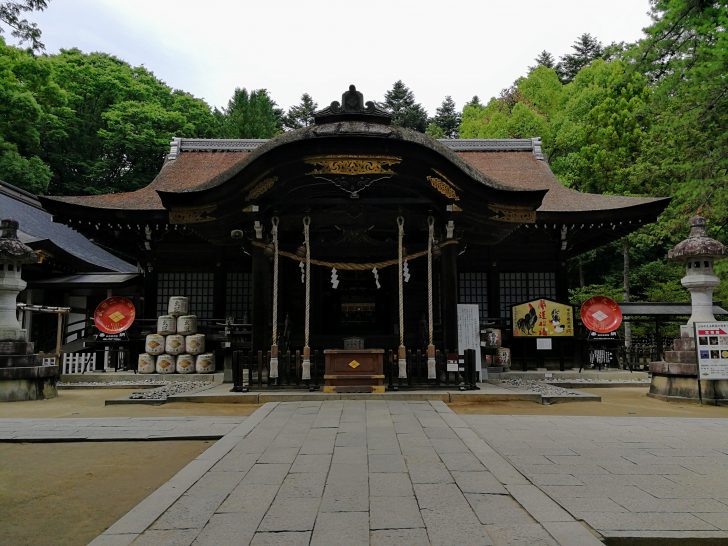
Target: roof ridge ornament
[(352, 108)]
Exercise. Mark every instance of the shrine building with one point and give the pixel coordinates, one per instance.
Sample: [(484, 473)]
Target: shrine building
[(353, 227)]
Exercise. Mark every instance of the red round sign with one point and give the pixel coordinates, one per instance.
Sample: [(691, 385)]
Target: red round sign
[(114, 315), (601, 314)]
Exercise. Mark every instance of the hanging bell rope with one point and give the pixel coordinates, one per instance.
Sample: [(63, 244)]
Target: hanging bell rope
[(273, 373), (431, 372), (402, 353), (306, 365)]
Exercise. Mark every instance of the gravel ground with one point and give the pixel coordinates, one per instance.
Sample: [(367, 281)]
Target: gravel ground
[(119, 383), (168, 389), (540, 387), (588, 380)]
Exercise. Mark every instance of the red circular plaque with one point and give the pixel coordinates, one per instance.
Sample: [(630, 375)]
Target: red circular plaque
[(601, 314), (114, 315)]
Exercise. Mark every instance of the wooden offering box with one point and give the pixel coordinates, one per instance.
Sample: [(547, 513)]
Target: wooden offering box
[(354, 370)]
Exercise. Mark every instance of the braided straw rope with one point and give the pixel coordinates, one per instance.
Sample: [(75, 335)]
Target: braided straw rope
[(306, 365), (402, 356), (431, 372), (349, 266)]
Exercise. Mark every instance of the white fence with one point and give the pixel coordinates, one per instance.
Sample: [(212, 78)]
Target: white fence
[(78, 362)]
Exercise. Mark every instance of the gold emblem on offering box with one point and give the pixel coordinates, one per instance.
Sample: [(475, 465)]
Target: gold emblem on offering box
[(261, 187), (353, 165), (354, 364)]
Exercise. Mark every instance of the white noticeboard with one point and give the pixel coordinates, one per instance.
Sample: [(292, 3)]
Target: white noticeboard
[(469, 332), (711, 343)]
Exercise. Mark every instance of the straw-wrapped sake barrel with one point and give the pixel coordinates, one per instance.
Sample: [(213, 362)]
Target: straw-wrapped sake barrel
[(154, 344), (187, 325), (185, 363), (174, 344), (178, 305), (195, 344), (205, 363), (146, 363), (166, 364), (166, 324)]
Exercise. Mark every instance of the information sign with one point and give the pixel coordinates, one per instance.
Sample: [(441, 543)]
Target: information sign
[(469, 331), (711, 343)]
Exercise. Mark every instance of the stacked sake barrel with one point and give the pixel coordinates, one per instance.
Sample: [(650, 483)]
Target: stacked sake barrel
[(176, 347)]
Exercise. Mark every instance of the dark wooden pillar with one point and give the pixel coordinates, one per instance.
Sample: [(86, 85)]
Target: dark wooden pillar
[(449, 284), (262, 310)]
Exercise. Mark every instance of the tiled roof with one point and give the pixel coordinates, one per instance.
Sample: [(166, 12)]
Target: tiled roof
[(37, 226), (194, 164)]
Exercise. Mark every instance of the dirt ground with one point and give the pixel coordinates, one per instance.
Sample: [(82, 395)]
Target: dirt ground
[(68, 493), (616, 402)]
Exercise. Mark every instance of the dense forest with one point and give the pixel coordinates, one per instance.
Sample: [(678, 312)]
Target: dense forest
[(648, 118)]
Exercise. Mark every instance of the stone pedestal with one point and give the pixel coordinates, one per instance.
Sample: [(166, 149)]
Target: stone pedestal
[(22, 374), (676, 377)]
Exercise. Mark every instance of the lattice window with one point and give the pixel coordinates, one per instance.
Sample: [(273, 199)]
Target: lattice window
[(519, 287), (198, 287), (238, 296), (473, 288)]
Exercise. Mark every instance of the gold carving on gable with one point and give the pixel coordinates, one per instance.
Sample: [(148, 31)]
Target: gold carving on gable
[(353, 165), (443, 187), (261, 187), (513, 215), (191, 215)]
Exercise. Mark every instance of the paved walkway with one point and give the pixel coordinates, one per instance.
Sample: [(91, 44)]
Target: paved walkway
[(120, 428), (349, 472), (647, 477)]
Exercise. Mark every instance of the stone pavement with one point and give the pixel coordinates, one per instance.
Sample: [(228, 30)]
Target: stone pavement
[(116, 429), (349, 472), (648, 477)]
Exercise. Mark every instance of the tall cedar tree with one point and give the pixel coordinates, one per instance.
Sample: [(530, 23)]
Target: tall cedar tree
[(302, 114), (544, 59), (400, 101), (251, 115), (24, 30), (447, 119), (586, 49)]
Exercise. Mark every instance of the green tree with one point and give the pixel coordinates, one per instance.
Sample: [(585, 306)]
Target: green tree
[(523, 110), (400, 101), (586, 49), (113, 108), (544, 59), (11, 15), (447, 119), (301, 115), (25, 84), (251, 115), (599, 132)]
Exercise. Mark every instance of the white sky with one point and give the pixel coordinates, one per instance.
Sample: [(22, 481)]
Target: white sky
[(459, 47)]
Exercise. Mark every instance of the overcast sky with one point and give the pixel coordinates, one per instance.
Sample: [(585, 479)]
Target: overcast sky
[(455, 47)]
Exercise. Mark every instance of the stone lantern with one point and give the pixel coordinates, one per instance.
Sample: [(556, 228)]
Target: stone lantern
[(22, 373), (676, 377), (13, 254), (698, 252)]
